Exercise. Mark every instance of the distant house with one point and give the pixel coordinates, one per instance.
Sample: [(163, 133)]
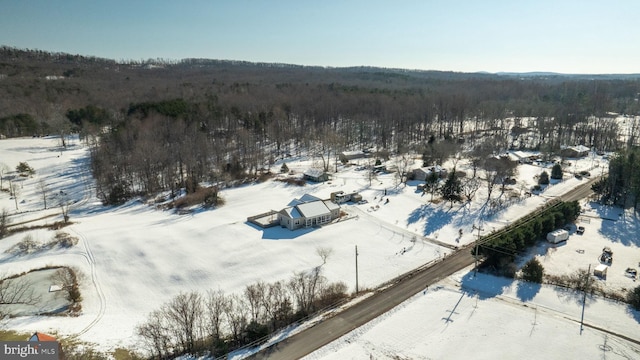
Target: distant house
[(38, 336), (500, 161), (524, 157), (57, 346), (316, 175), (308, 211), (347, 156), (424, 172), (575, 151)]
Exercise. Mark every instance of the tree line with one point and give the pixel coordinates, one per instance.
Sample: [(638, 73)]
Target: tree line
[(621, 186), (154, 128), (216, 323), (501, 251)]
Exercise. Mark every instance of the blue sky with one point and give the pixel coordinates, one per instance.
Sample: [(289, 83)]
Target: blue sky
[(569, 36)]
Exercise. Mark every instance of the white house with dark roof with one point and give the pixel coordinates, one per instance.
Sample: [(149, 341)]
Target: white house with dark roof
[(308, 211)]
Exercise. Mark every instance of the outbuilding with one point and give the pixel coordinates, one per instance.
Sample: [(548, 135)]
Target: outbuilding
[(601, 271), (575, 151), (347, 156), (316, 175), (557, 236), (424, 172)]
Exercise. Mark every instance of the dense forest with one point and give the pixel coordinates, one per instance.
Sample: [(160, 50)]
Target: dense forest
[(158, 125)]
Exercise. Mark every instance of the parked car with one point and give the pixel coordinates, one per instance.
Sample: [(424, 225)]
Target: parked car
[(580, 230)]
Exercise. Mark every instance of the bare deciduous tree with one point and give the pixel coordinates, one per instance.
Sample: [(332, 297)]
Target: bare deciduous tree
[(402, 168), (16, 291), (276, 304), (64, 208), (306, 286), (68, 279), (324, 253), (156, 335), (14, 191), (470, 187), (42, 187), (4, 223), (215, 305), (236, 313), (3, 169), (254, 293), (183, 313)]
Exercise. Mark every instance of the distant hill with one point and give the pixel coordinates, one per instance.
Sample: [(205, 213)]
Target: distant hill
[(46, 85), (542, 74)]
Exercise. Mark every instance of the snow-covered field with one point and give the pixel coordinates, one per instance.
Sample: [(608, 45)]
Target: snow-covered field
[(136, 258), (492, 318)]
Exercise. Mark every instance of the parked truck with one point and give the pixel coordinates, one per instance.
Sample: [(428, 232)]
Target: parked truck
[(557, 236)]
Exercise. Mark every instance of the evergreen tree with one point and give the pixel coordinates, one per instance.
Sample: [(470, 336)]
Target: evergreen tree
[(634, 298), (556, 172), (431, 182), (622, 185), (533, 271), (544, 178), (24, 168), (452, 187)]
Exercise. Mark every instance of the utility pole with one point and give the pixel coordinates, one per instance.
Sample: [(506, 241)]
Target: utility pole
[(356, 269), (475, 253), (584, 299)]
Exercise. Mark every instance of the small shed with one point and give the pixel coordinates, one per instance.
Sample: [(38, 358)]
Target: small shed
[(316, 175), (601, 271)]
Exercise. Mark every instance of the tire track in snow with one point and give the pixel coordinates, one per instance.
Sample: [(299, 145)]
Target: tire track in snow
[(96, 283)]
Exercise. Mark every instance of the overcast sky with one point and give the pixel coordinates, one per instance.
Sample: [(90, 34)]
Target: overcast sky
[(569, 36)]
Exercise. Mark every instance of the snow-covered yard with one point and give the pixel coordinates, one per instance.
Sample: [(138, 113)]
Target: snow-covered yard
[(486, 317), (136, 257)]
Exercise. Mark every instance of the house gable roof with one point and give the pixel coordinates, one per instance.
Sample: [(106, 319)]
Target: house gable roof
[(331, 205), (38, 336), (313, 209), (314, 172), (291, 212), (308, 198)]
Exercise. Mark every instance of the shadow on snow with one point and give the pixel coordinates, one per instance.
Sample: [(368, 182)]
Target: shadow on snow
[(625, 230), (435, 218), (280, 233), (485, 286)]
